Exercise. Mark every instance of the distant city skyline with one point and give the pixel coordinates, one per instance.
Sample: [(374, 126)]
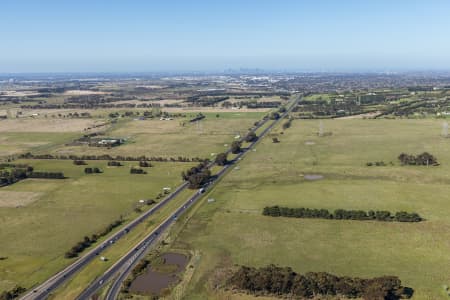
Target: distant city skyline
[(156, 36)]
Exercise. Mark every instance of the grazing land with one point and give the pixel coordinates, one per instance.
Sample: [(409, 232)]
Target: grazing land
[(42, 219), (174, 138), (232, 230), (338, 149), (46, 125), (53, 215), (17, 199)]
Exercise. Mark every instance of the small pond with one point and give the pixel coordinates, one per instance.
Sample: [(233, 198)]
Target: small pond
[(154, 281)]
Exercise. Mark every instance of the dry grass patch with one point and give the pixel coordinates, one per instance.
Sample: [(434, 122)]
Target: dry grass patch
[(46, 125), (16, 199), (83, 92)]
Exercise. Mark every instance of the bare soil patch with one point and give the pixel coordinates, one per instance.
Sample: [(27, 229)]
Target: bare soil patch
[(360, 116), (83, 92), (313, 177)]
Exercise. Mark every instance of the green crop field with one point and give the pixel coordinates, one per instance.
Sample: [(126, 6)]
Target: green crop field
[(61, 212), (231, 230)]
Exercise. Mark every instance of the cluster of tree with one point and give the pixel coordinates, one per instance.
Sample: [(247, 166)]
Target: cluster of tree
[(251, 137), (93, 170), (236, 147), (423, 159), (114, 163), (198, 117), (135, 170), (150, 202), (109, 157), (11, 165), (340, 214), (377, 163), (88, 241), (79, 115), (274, 115), (47, 175), (420, 88), (145, 164), (221, 159), (78, 162), (325, 109), (13, 293), (80, 246), (199, 100), (197, 176), (283, 281), (13, 173)]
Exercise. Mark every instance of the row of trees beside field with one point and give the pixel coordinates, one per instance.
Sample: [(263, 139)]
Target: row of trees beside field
[(88, 241), (47, 175), (11, 173), (93, 170), (14, 293), (284, 282), (109, 157), (135, 170), (341, 214), (197, 176), (423, 159)]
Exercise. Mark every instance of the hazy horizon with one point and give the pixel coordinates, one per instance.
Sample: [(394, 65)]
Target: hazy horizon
[(212, 36)]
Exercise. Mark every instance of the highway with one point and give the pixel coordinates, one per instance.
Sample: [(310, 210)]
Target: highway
[(43, 290), (126, 264)]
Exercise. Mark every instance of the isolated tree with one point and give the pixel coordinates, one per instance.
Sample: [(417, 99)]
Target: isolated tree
[(275, 140), (236, 147), (221, 159), (274, 116), (251, 137)]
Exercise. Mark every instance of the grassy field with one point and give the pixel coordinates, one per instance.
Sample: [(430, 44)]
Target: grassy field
[(171, 138), (97, 267), (19, 142), (63, 211), (232, 230), (42, 219)]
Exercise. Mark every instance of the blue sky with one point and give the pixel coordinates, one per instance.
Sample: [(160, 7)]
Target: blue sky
[(146, 36)]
